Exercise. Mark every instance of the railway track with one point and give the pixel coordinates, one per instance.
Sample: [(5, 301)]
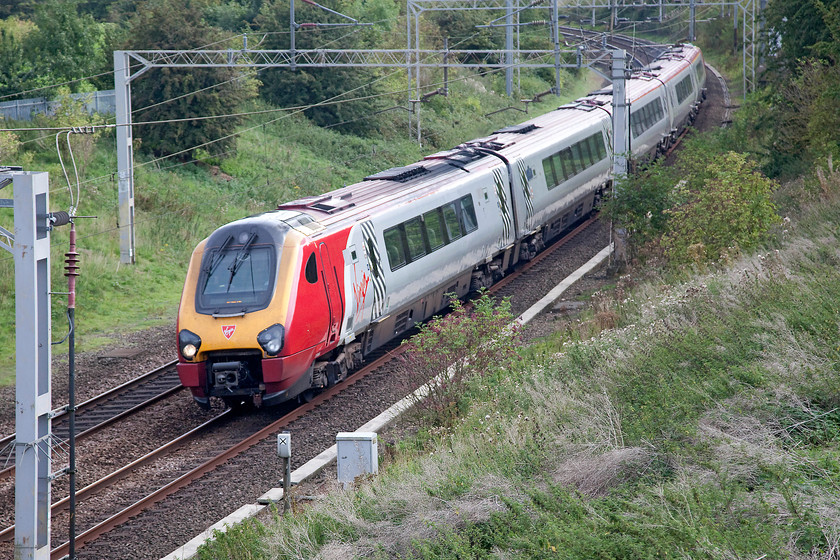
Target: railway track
[(223, 456), (90, 490), (105, 409), (220, 455), (642, 51), (186, 477)]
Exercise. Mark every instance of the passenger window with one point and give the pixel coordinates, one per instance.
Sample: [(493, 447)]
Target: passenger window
[(594, 148), (468, 214), (684, 89), (311, 270), (550, 176), (568, 163), (453, 226), (578, 158), (394, 247), (434, 229), (559, 168), (414, 236), (584, 150)]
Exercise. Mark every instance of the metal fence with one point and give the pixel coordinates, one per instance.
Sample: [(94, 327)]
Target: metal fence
[(102, 102)]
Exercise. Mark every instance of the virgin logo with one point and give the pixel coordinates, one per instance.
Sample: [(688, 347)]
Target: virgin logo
[(227, 330)]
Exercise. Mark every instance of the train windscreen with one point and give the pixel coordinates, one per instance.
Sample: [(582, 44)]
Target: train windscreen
[(236, 277)]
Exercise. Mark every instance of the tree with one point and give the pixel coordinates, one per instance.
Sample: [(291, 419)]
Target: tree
[(460, 27), (233, 15), (16, 8), (15, 68), (638, 202), (9, 148), (313, 86), (794, 120), (66, 46), (801, 30), (174, 94), (709, 200)]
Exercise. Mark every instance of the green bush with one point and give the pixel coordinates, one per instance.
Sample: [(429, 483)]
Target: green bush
[(723, 208), (455, 349), (708, 205)]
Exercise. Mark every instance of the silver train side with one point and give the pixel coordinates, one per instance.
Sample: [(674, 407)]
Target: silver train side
[(278, 305)]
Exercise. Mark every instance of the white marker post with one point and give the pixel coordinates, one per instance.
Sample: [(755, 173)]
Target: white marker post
[(284, 450)]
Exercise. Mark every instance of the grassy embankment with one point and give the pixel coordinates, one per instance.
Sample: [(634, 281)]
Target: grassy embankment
[(178, 205), (705, 426)]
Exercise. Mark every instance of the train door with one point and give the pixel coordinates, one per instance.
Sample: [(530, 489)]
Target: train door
[(334, 302)]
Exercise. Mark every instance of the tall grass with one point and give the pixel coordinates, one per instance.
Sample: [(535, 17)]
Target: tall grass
[(706, 425)]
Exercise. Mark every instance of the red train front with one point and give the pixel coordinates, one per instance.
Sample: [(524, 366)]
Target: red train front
[(258, 308)]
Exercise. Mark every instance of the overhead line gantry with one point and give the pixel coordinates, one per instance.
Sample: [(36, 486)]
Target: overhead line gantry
[(129, 65)]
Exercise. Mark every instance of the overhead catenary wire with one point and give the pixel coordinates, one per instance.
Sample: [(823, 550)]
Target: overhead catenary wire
[(110, 72), (296, 109), (234, 79), (291, 112), (169, 121), (86, 78), (330, 101)]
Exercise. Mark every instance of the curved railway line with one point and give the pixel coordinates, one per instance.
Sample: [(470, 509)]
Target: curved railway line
[(167, 495), (112, 512)]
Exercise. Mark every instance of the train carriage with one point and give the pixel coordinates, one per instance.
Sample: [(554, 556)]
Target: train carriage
[(284, 303)]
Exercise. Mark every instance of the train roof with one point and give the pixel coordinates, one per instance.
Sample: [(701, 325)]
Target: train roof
[(446, 169)]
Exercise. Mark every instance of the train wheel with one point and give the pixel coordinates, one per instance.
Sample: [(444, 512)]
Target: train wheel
[(308, 395)]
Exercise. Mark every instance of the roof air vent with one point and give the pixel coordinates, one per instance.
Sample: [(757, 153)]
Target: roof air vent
[(517, 129), (399, 174)]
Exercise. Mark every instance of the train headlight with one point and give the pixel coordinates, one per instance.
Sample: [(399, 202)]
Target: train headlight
[(188, 344), (271, 339)]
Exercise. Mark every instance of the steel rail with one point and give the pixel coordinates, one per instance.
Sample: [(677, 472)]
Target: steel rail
[(61, 412), (542, 255), (103, 483), (187, 478), (101, 399)]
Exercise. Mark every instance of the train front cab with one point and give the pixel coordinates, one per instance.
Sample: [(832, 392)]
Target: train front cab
[(253, 338)]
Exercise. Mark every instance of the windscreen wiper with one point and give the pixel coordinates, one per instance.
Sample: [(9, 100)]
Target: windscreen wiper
[(241, 255), (218, 257)]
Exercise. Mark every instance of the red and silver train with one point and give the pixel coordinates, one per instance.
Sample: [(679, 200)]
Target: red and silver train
[(287, 302)]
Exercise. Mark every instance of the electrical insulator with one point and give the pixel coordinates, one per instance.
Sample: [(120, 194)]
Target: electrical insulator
[(72, 261), (60, 218)]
